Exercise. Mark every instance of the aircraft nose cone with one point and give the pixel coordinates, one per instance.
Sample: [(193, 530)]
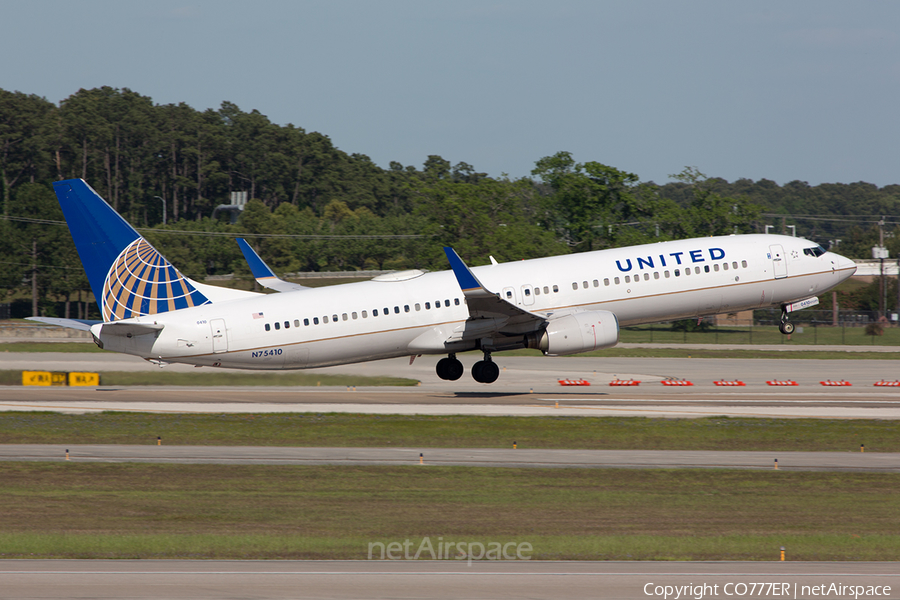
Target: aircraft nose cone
[(842, 263)]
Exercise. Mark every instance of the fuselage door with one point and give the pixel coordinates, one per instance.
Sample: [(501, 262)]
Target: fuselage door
[(509, 294), (527, 295), (778, 262), (219, 335)]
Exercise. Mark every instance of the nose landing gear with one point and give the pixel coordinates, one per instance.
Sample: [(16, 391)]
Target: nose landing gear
[(786, 327)]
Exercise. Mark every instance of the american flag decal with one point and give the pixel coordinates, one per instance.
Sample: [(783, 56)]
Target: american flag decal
[(257, 315)]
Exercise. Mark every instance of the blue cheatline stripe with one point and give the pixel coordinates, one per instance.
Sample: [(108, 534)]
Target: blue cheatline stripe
[(465, 278)]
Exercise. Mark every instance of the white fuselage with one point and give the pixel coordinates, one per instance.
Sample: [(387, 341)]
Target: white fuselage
[(382, 319)]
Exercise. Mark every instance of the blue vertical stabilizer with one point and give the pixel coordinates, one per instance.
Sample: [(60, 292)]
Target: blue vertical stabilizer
[(128, 276)]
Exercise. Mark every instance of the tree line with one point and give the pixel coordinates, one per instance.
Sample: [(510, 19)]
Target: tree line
[(314, 207)]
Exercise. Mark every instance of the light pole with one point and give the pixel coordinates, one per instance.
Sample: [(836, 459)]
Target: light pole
[(164, 208)]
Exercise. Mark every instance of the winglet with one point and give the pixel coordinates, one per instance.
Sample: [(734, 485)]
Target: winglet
[(262, 273), (467, 280), (259, 268)]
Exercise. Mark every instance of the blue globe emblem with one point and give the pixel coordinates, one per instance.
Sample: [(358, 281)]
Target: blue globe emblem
[(142, 282)]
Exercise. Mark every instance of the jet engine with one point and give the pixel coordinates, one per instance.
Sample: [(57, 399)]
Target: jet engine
[(578, 332)]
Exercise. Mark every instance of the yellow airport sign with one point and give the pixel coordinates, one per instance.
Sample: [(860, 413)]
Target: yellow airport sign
[(46, 378), (84, 379)]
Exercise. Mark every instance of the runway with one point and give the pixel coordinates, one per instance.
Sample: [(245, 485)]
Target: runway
[(528, 386), (886, 462), (438, 579)]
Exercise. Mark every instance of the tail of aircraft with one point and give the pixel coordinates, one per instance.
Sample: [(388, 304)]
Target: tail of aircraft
[(128, 276)]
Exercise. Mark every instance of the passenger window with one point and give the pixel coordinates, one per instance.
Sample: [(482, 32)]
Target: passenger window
[(743, 264), (353, 316), (734, 265), (527, 292), (606, 281), (696, 270), (365, 315), (406, 308), (646, 276), (325, 319), (617, 280), (306, 322), (596, 283), (655, 274), (287, 324), (628, 279), (374, 312), (574, 285), (584, 285), (716, 267), (687, 271), (334, 318), (666, 274), (268, 328), (386, 311), (437, 304), (315, 320), (555, 289), (277, 326), (725, 266), (706, 268), (537, 291), (418, 307), (456, 301), (396, 310), (447, 303), (428, 306), (508, 294), (344, 317), (547, 290), (677, 273)]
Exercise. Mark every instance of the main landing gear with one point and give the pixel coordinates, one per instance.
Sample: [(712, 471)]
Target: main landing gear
[(484, 371), (449, 368), (786, 327)]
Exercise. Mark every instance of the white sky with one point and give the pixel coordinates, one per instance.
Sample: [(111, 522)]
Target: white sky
[(806, 90)]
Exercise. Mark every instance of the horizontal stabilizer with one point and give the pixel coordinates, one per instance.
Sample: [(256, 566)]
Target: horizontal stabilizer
[(80, 324), (129, 329), (263, 274)]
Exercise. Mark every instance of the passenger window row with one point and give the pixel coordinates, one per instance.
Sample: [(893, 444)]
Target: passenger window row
[(278, 325), (676, 272)]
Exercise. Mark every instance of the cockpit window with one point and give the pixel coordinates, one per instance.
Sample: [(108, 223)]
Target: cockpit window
[(817, 251)]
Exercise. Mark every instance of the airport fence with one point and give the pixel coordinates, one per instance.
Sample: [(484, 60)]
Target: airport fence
[(852, 328)]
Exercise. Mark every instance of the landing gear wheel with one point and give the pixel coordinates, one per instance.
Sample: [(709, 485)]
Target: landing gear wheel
[(485, 371), (449, 368), (786, 327)]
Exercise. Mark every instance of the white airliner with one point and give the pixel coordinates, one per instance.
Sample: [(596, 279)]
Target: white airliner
[(560, 305)]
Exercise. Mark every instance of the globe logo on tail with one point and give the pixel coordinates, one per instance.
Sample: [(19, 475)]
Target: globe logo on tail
[(141, 282)]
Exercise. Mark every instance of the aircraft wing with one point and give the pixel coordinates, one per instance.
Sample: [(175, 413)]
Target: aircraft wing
[(263, 274), (484, 304)]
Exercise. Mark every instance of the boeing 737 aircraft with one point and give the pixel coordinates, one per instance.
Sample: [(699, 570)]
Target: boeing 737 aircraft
[(560, 305)]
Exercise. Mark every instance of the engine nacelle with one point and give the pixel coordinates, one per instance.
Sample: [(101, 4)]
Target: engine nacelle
[(580, 332)]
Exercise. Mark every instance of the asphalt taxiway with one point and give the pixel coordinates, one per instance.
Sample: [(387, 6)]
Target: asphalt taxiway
[(440, 579), (888, 462)]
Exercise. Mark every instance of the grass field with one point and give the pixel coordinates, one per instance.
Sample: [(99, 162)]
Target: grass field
[(383, 431), (75, 510)]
